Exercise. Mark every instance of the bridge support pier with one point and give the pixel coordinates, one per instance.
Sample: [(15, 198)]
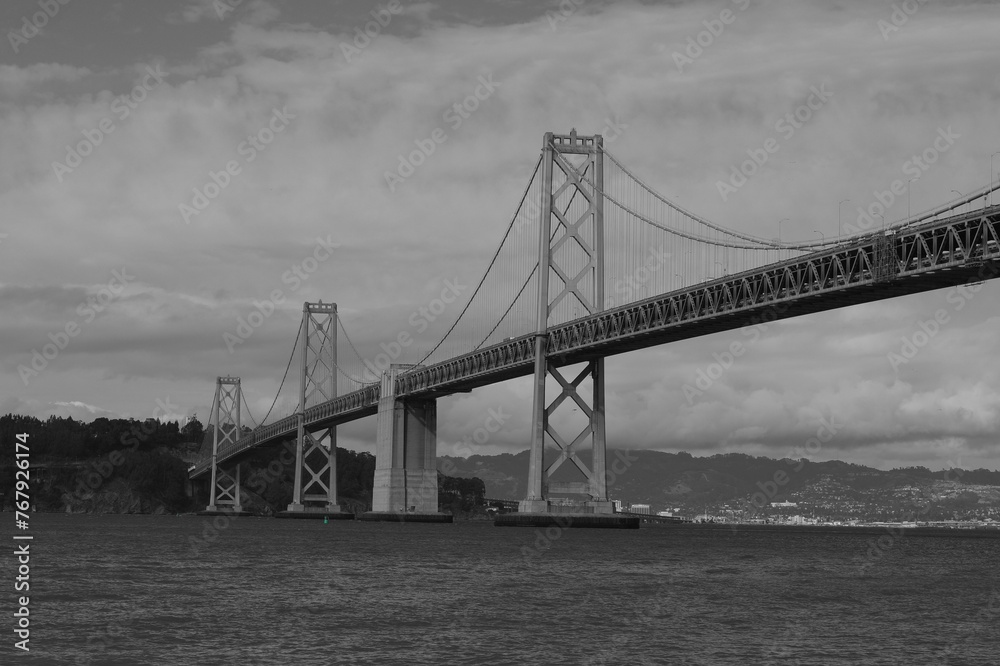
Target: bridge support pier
[(595, 484), (406, 485), (571, 280), (315, 483), (224, 490)]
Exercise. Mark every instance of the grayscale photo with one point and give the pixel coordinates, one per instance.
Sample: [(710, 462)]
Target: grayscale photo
[(501, 332)]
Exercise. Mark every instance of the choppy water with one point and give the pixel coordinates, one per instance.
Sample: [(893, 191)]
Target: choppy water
[(133, 590)]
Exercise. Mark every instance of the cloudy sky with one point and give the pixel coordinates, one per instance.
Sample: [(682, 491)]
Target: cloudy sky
[(115, 115)]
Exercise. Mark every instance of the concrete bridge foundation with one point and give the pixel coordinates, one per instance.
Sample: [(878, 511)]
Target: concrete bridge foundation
[(406, 482)]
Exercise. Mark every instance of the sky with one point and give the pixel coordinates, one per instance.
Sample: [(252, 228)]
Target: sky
[(119, 119)]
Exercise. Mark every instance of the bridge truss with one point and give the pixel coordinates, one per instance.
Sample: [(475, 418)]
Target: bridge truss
[(578, 301)]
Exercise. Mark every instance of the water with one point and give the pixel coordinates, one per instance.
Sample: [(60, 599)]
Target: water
[(132, 590)]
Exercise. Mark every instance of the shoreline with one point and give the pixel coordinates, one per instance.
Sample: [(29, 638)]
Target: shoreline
[(919, 530)]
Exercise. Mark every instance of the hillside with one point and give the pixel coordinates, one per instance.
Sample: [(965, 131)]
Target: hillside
[(128, 466), (737, 482)]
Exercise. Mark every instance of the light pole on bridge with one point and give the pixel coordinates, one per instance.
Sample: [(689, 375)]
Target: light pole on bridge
[(821, 235), (840, 217), (990, 193), (908, 213), (784, 219), (962, 195)]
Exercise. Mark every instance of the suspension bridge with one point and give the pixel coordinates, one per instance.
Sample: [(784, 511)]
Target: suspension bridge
[(594, 262)]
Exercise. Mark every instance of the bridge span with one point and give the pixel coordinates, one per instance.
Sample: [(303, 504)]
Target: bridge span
[(909, 257)]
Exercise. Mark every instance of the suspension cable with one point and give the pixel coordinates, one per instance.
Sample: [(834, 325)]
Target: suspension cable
[(488, 268), (533, 270), (701, 239), (349, 378), (283, 377), (920, 217), (247, 405), (696, 218), (509, 308), (211, 415)]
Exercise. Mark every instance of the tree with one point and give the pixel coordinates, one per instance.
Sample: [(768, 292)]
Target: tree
[(193, 430)]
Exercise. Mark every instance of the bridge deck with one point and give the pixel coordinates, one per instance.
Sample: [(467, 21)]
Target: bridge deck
[(956, 250)]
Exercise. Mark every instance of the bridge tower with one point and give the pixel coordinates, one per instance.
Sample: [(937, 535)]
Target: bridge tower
[(227, 428), (405, 453), (570, 270), (315, 485)]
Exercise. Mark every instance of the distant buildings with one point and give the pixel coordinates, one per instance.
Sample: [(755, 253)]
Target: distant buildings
[(640, 508)]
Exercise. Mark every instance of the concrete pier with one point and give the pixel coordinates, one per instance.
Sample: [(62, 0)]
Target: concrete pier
[(400, 517), (567, 520), (405, 452), (219, 512), (315, 515)]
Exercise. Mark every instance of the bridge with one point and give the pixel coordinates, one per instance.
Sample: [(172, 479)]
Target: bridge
[(594, 263)]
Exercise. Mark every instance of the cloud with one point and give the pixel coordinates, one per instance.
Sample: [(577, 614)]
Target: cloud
[(254, 12), (75, 409), (196, 11), (324, 175)]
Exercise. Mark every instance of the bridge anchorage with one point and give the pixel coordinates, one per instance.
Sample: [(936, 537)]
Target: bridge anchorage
[(226, 430)]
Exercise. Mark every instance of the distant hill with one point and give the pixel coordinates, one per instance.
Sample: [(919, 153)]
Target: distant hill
[(692, 484), (124, 465)]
